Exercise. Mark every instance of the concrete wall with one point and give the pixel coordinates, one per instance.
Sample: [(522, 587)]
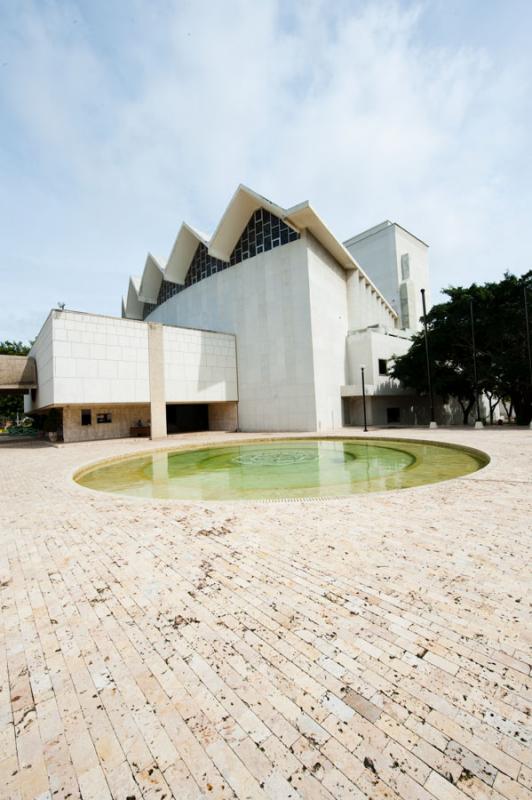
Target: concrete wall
[(223, 416), (366, 348), (417, 252), (85, 358), (123, 418), (376, 254), (328, 308), (43, 352), (199, 366), (290, 309), (414, 410), (363, 304), (379, 252), (264, 301), (284, 315), (157, 389), (376, 410)]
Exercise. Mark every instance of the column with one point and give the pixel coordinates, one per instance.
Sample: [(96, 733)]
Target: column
[(157, 393)]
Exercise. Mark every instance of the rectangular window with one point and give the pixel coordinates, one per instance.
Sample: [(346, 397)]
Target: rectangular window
[(383, 366), (86, 416), (104, 418), (405, 314), (393, 415), (405, 267)]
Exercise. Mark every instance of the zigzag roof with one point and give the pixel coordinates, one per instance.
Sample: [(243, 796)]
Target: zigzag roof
[(152, 278), (185, 246), (134, 306), (221, 244)]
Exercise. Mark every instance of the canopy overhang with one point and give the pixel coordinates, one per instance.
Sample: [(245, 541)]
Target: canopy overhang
[(152, 277), (17, 373), (134, 306), (235, 218), (185, 246)]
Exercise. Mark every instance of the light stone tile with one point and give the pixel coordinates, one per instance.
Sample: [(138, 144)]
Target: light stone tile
[(254, 649)]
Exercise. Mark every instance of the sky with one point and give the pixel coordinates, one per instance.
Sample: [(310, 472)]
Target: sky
[(119, 119)]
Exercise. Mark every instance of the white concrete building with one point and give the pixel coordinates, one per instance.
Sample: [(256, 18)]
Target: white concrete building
[(108, 374), (397, 261), (262, 326)]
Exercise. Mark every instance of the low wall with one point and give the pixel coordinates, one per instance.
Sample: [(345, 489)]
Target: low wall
[(223, 416), (376, 410), (122, 419), (17, 373)]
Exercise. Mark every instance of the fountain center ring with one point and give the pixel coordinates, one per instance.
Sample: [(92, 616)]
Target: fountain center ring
[(275, 458)]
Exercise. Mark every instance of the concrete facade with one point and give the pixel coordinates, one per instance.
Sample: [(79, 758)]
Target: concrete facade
[(271, 312), (375, 349), (264, 301), (199, 366), (398, 263), (157, 381), (122, 419), (223, 417), (128, 369)]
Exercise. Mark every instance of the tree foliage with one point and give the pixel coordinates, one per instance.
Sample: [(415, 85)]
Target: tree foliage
[(12, 404), (501, 347), (9, 348)]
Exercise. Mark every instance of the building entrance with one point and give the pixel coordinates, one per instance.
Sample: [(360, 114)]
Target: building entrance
[(187, 417)]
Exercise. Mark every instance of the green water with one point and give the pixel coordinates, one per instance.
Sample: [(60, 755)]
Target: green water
[(282, 469)]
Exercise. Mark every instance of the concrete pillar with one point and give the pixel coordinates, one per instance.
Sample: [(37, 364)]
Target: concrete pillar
[(157, 393)]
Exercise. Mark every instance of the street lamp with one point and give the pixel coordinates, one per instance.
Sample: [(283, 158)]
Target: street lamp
[(362, 368), (478, 423), (527, 334), (433, 423), (527, 338)]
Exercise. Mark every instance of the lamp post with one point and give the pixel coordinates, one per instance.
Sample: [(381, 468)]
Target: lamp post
[(478, 423), (527, 336), (362, 368), (433, 423)]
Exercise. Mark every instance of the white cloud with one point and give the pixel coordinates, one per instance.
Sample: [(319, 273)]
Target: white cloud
[(123, 120)]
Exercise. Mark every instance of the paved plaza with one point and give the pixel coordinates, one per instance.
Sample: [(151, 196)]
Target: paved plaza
[(371, 647)]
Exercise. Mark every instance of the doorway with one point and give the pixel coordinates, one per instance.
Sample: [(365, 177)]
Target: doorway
[(187, 417)]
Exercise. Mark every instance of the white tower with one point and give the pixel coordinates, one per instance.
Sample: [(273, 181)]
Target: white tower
[(397, 262)]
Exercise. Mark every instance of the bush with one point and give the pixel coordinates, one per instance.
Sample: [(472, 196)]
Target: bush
[(20, 430)]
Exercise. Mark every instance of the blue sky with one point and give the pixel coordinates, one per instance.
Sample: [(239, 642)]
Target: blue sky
[(120, 119)]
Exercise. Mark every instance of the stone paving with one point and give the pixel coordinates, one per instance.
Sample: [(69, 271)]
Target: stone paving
[(374, 647)]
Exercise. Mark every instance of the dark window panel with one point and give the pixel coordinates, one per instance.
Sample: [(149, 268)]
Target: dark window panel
[(263, 232)]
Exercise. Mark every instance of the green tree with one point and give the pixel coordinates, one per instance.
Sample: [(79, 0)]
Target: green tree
[(9, 348), (12, 404), (506, 350), (501, 347)]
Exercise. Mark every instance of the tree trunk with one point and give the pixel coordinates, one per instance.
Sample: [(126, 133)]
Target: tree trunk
[(493, 402), (466, 410)]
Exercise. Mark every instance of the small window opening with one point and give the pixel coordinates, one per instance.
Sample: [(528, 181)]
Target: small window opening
[(104, 418), (393, 415), (86, 416), (383, 366)]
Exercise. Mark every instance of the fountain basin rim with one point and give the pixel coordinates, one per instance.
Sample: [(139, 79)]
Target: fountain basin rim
[(483, 458)]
